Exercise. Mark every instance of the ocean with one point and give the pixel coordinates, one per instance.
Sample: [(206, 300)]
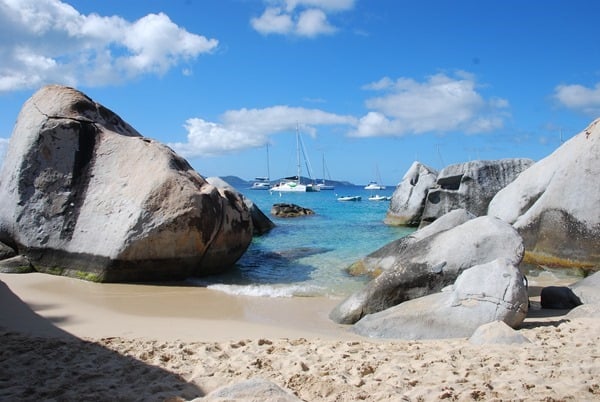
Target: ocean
[(307, 256)]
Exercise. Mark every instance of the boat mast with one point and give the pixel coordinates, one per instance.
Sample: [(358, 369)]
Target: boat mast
[(268, 169), (298, 166)]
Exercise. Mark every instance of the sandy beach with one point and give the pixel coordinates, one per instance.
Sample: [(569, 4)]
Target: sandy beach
[(66, 339)]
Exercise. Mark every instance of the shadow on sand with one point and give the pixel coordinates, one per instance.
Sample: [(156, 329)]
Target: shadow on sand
[(55, 365)]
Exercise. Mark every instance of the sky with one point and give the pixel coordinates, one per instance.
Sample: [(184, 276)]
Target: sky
[(370, 85)]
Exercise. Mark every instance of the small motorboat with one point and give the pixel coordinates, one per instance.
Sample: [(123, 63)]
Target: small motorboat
[(349, 198), (378, 197)]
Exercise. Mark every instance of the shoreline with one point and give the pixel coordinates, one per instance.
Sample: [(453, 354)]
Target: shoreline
[(166, 312), (67, 339)]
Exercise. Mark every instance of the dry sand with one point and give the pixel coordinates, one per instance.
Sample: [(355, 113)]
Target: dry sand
[(65, 339)]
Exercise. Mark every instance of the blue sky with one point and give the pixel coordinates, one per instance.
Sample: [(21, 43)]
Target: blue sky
[(372, 84)]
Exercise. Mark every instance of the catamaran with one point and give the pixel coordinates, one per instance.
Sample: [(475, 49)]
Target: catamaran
[(294, 183)]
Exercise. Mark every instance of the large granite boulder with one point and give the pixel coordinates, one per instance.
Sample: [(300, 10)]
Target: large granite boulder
[(485, 293), (392, 254), (432, 263), (554, 204), (261, 224), (471, 186), (408, 200), (84, 194)]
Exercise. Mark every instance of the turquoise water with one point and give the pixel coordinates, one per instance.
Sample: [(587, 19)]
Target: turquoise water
[(306, 256)]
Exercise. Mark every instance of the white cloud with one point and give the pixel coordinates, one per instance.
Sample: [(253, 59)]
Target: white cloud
[(273, 21), (439, 104), (313, 22), (251, 128), (306, 18), (45, 41), (579, 98)]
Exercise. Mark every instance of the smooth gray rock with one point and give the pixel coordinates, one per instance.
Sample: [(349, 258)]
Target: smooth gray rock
[(471, 186), (554, 203), (85, 195), (497, 332), (558, 297), (588, 289), (432, 263), (261, 224), (408, 200), (494, 291), (252, 390), (392, 254), (585, 311)]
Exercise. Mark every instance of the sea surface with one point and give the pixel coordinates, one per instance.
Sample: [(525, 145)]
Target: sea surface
[(307, 256)]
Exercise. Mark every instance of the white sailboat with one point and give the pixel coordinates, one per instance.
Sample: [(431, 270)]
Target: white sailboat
[(294, 184), (323, 185), (263, 183)]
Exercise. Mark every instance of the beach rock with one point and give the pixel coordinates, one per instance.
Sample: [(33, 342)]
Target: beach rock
[(494, 291), (252, 390), (585, 311), (430, 264), (16, 265), (283, 210), (408, 200), (558, 297), (588, 289), (554, 204), (497, 332), (261, 224), (85, 195), (6, 251), (391, 254), (471, 186)]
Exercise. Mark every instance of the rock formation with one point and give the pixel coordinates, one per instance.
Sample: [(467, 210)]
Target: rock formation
[(284, 210), (261, 224), (554, 204), (408, 200), (471, 186), (85, 195), (494, 291), (430, 264)]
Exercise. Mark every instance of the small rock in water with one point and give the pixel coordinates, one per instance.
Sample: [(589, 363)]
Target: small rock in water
[(284, 210)]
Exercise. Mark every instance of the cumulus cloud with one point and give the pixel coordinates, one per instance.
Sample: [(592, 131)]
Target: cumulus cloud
[(45, 41), (441, 103), (251, 128), (305, 18), (579, 98)]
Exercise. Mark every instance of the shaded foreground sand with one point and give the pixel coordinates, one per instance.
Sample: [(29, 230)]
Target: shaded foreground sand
[(64, 339)]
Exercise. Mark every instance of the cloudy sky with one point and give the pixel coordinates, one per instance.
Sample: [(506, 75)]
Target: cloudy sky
[(371, 84)]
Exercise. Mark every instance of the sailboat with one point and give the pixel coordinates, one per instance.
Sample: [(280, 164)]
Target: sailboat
[(294, 183), (262, 183), (375, 185), (323, 185)]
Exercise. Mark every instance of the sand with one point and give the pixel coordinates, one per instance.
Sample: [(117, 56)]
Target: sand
[(65, 339)]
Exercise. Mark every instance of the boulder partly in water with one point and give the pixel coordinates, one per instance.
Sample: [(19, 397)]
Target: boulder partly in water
[(85, 195)]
